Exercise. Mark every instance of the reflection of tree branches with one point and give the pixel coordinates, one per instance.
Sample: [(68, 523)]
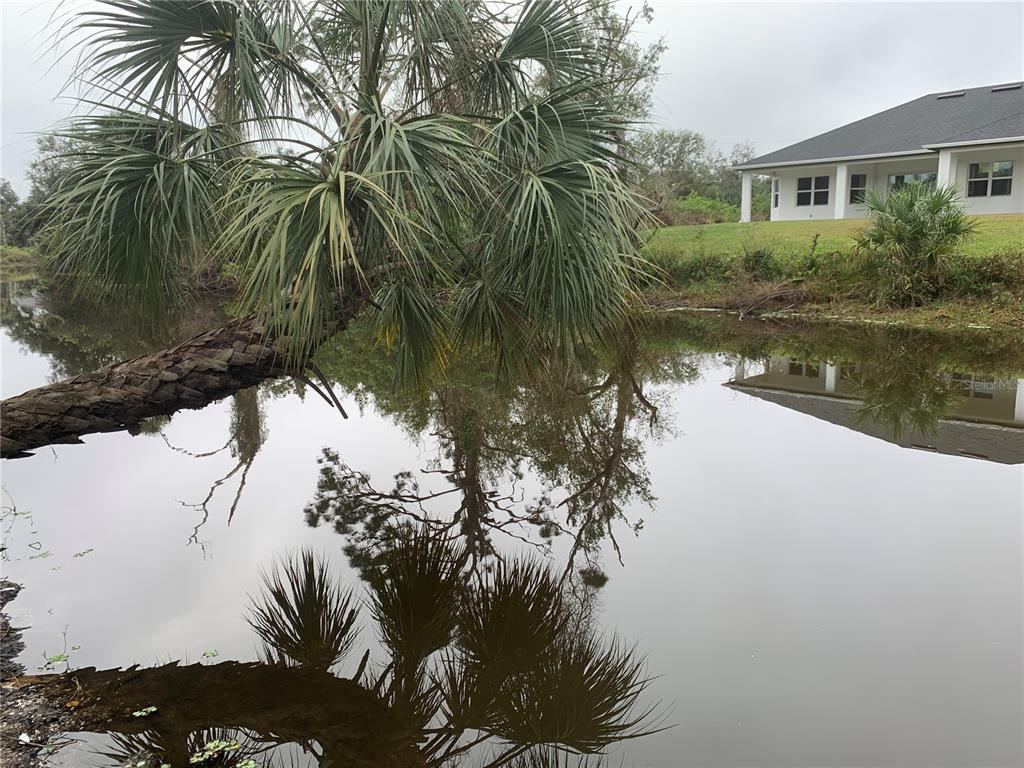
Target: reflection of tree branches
[(187, 452), (574, 433), (600, 455), (374, 521), (248, 432), (79, 333)]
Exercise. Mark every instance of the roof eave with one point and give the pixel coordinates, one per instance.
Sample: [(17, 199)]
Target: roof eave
[(823, 160), (975, 142)]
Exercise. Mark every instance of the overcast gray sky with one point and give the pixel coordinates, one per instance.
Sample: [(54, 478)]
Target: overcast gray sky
[(776, 73), (766, 72)]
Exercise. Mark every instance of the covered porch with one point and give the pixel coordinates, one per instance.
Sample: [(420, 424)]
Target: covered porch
[(989, 179)]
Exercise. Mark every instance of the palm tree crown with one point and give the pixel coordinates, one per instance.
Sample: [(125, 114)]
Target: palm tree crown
[(454, 163)]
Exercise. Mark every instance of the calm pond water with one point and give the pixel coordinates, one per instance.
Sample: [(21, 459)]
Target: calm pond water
[(813, 537)]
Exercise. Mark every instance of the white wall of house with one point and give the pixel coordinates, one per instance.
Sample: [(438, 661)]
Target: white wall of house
[(878, 173), (878, 179)]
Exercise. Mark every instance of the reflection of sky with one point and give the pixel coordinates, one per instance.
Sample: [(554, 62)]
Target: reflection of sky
[(808, 595)]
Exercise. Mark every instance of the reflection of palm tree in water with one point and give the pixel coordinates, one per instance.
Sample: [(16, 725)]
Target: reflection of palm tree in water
[(497, 661), (571, 427), (246, 434), (904, 390)]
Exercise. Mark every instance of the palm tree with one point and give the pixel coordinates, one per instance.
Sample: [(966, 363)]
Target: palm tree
[(914, 231), (453, 164)]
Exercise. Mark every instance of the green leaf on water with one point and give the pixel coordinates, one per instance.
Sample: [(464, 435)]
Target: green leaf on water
[(213, 749), (145, 712), (211, 653), (53, 661)]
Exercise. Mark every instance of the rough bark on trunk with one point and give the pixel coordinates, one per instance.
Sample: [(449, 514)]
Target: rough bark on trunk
[(195, 373)]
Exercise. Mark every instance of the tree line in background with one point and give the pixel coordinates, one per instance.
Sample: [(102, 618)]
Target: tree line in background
[(691, 181), (21, 218)]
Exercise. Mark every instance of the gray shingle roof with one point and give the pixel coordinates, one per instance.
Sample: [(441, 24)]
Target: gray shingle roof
[(995, 130), (977, 115)]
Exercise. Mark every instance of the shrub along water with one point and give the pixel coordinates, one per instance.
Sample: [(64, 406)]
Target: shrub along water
[(914, 231), (918, 250)]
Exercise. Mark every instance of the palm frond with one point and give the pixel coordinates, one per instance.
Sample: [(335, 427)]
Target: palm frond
[(511, 619), (139, 202), (232, 58), (547, 34), (566, 124), (582, 695), (413, 326), (298, 226), (488, 312), (415, 600), (552, 34), (551, 757), (303, 616), (566, 242)]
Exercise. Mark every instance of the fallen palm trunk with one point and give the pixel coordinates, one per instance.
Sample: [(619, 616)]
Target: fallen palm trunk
[(195, 373)]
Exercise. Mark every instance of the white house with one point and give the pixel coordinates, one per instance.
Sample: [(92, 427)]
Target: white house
[(973, 138)]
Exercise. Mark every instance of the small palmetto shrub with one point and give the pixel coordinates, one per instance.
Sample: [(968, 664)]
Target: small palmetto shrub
[(914, 231)]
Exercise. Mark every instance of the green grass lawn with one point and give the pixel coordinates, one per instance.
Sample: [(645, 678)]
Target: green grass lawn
[(790, 239)]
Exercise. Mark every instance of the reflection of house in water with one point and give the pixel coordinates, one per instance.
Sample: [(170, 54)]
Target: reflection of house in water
[(985, 420)]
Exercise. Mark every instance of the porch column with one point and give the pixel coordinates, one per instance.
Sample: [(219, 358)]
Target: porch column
[(741, 370), (746, 190), (842, 191), (830, 377), (947, 168)]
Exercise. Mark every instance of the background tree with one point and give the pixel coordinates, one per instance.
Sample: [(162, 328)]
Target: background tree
[(692, 181), (8, 208), (22, 219)]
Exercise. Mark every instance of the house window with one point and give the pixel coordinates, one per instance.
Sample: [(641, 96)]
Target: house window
[(984, 179), (898, 180), (812, 188), (775, 193), (858, 187), (810, 370), (1002, 177)]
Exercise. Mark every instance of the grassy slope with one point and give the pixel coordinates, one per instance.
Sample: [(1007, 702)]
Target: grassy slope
[(17, 264), (790, 239), (681, 252)]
